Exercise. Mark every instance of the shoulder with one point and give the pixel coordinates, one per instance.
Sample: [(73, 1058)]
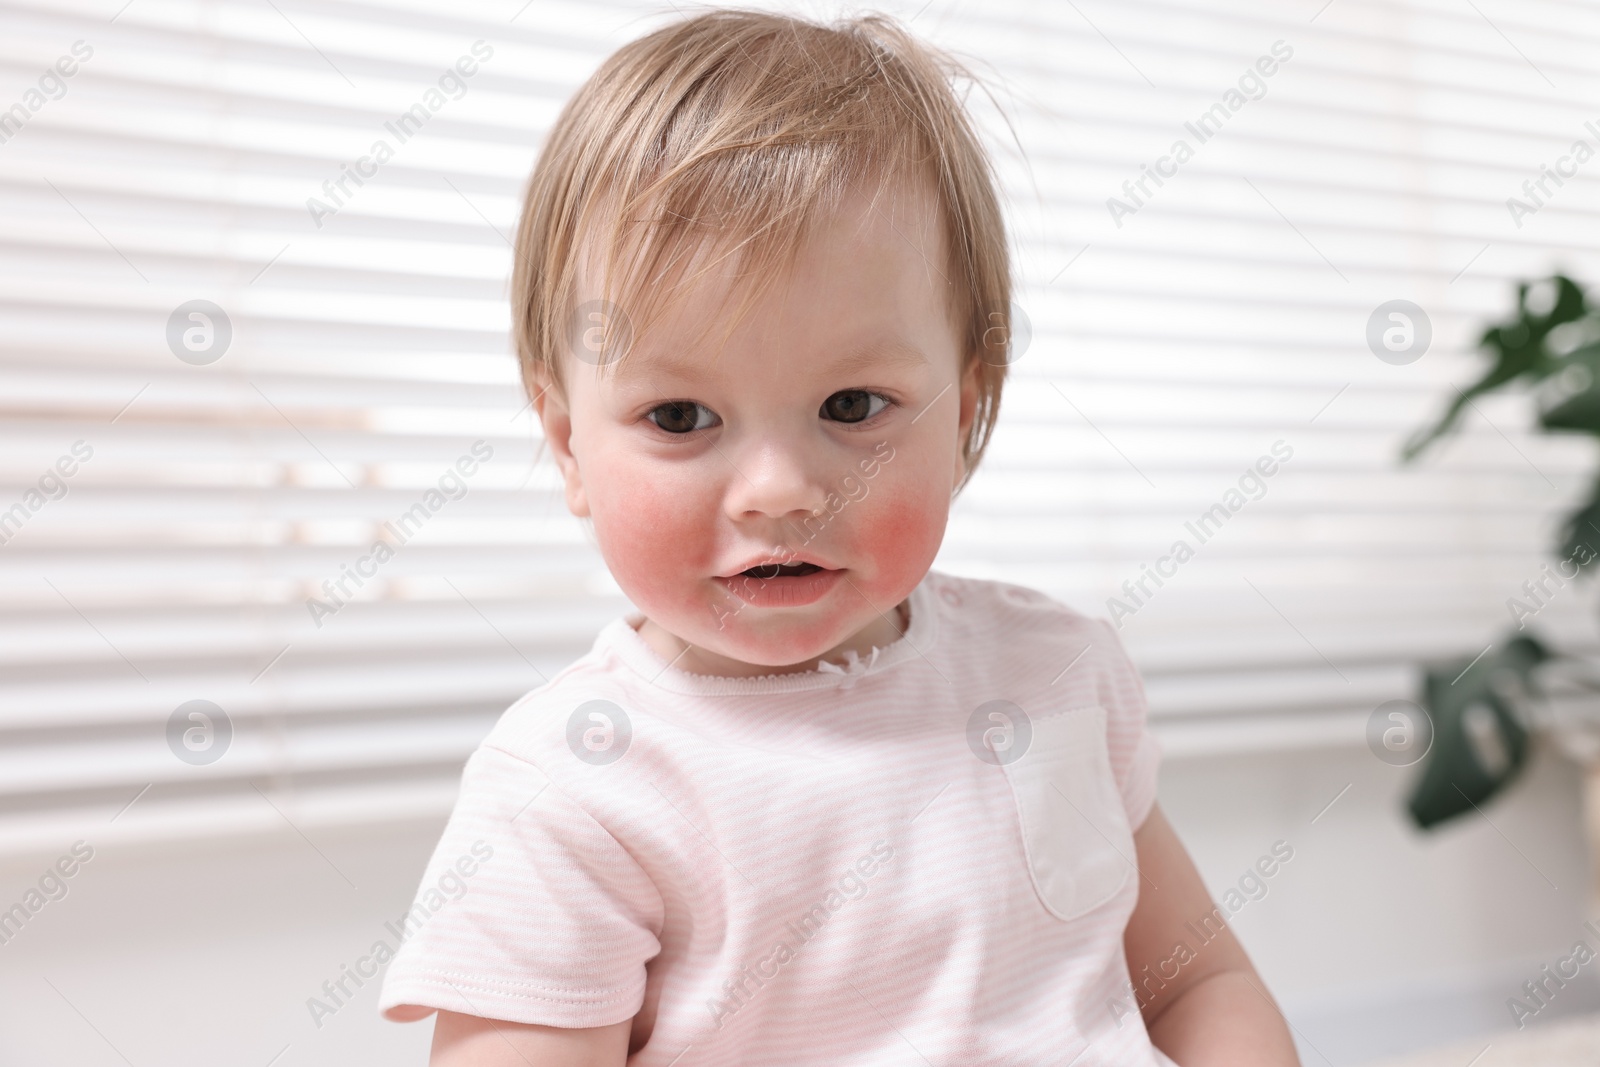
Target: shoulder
[(1032, 635), (994, 611), (537, 724)]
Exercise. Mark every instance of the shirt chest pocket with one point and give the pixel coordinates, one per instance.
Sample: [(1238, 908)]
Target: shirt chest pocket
[(1075, 830)]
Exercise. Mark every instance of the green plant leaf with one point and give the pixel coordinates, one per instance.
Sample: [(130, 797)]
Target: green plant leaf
[(1580, 534), (1480, 733), (1574, 404), (1518, 349)]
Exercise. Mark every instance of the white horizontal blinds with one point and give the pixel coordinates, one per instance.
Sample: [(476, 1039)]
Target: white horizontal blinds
[(367, 382), (1228, 311), (369, 355)]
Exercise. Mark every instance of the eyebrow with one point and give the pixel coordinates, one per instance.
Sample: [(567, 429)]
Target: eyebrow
[(894, 352), (890, 352)]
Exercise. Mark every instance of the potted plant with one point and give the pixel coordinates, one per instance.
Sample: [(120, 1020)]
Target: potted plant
[(1482, 709)]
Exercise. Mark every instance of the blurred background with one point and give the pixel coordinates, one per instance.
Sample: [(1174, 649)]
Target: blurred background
[(239, 341)]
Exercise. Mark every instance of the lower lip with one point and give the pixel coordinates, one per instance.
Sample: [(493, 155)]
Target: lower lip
[(784, 591)]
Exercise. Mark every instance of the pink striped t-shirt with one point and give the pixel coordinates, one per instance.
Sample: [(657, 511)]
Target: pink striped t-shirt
[(925, 855)]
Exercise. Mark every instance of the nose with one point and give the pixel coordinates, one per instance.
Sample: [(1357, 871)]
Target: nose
[(773, 479)]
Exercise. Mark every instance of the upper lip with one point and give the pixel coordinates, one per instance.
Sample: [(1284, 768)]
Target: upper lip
[(770, 560)]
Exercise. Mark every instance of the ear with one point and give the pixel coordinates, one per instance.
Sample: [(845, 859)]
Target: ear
[(969, 411), (556, 418)]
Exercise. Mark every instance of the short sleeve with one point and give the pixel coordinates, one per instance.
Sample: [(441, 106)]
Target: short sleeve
[(529, 910), (1135, 754)]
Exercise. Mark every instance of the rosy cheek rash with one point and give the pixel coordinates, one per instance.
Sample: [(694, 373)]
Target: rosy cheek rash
[(657, 539), (660, 529), (895, 541)]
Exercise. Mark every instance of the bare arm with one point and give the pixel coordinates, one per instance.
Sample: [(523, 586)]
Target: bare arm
[(468, 1041), (1214, 1011)]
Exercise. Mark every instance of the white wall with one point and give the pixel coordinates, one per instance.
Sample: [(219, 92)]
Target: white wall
[(1378, 938)]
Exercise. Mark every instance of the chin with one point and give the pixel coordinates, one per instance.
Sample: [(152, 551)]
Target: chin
[(775, 647), (777, 638)]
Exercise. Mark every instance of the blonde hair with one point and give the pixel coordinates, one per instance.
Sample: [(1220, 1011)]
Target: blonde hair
[(738, 130)]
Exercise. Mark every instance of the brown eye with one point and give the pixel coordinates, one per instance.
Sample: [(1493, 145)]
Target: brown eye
[(681, 416), (852, 405)]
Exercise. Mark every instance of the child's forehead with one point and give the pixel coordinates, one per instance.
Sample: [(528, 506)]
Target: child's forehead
[(699, 276), (833, 311), (866, 207), (876, 351)]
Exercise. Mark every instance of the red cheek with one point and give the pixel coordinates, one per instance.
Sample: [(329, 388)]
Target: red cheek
[(909, 525), (660, 533), (901, 534), (653, 534)]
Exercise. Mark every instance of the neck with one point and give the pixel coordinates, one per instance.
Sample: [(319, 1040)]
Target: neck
[(881, 632)]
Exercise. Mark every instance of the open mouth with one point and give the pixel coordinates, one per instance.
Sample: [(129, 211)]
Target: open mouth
[(772, 584), (781, 570)]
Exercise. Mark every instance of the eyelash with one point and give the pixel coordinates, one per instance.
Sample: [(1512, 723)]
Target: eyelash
[(888, 402)]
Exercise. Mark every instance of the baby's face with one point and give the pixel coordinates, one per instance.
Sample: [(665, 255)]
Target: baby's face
[(773, 503)]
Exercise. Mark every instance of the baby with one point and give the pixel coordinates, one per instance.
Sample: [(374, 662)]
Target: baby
[(813, 803)]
